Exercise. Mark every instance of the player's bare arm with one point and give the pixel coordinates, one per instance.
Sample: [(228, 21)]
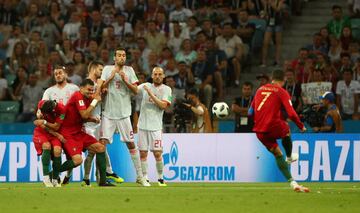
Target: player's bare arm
[(132, 87), (160, 103), (42, 122)]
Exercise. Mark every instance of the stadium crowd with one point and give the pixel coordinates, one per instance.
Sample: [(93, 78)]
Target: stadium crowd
[(202, 44)]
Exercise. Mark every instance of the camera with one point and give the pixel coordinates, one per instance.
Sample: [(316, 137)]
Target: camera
[(182, 115), (315, 118)]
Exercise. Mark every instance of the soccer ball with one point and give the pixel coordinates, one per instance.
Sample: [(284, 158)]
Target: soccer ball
[(220, 109)]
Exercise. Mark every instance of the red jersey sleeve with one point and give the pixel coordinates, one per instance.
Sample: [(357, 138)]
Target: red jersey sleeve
[(286, 102), (80, 102)]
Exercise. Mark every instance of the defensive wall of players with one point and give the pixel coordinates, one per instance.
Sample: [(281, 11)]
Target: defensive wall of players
[(208, 158)]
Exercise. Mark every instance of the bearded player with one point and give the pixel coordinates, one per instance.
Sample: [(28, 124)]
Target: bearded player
[(78, 111), (269, 102), (156, 97)]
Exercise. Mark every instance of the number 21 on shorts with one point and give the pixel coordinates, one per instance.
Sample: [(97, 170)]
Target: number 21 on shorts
[(266, 96), (157, 144)]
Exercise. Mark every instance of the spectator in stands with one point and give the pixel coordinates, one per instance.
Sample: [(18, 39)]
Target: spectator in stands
[(208, 28), (294, 89), (241, 105), (356, 69), (177, 36), (354, 8), (19, 57), (203, 71), (180, 13), (232, 45), (151, 9), (354, 51), (43, 77), (336, 25), (329, 71), (8, 14), (245, 30), (18, 84), (164, 57), (82, 42), (30, 20), (185, 78), (201, 122), (347, 91), (95, 26), (31, 94), (56, 16), (273, 26), (332, 120), (187, 53), (335, 49), (346, 38), (121, 27), (345, 62), (317, 45), (192, 27), (48, 31), (3, 82), (162, 24), (79, 64), (71, 75), (256, 8), (316, 76), (16, 36), (171, 69), (133, 12), (66, 50), (152, 62), (155, 40), (217, 56), (325, 37), (92, 51), (263, 79), (71, 29), (200, 41)]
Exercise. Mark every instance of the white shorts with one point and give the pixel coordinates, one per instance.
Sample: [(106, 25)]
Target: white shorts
[(152, 139), (108, 127), (93, 130)]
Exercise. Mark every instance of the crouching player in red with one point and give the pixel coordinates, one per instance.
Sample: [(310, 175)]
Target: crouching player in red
[(269, 103), (50, 115), (78, 111)]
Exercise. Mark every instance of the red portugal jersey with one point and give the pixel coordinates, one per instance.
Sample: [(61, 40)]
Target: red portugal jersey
[(74, 122), (269, 101), (57, 116)]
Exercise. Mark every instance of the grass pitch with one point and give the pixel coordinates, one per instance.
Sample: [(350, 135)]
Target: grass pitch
[(178, 197)]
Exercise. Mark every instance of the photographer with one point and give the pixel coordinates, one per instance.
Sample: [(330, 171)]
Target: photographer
[(201, 122), (332, 121)]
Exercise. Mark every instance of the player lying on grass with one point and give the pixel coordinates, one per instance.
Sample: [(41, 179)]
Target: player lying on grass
[(156, 97), (50, 115), (267, 108), (78, 111)]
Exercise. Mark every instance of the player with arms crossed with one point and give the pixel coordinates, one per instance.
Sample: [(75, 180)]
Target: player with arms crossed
[(50, 115), (270, 124), (120, 81), (78, 111), (61, 93), (95, 69), (156, 97)]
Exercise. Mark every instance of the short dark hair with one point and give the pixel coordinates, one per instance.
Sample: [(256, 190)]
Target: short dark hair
[(48, 106), (278, 75), (348, 70), (120, 49), (86, 82), (193, 91), (94, 64), (334, 7), (248, 83)]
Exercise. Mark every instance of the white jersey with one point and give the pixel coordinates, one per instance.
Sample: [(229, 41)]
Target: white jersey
[(60, 95), (151, 116), (96, 113), (118, 98)]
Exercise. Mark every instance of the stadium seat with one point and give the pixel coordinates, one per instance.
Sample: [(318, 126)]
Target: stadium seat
[(355, 28), (8, 117), (9, 106)]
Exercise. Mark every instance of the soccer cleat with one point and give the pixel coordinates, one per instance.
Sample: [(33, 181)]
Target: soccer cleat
[(298, 188), (294, 157), (143, 182), (161, 182), (86, 183), (56, 183), (47, 182), (106, 184), (114, 177), (66, 180)]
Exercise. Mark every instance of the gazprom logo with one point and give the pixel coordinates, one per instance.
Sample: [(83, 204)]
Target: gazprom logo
[(194, 173)]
